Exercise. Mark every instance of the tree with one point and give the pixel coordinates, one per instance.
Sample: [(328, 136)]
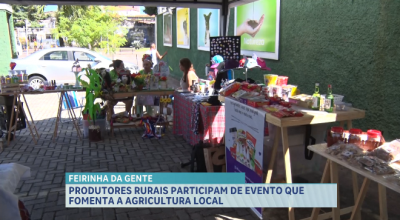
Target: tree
[(96, 27), (70, 12), (32, 13), (150, 10)]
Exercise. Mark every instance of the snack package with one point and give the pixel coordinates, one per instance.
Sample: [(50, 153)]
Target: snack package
[(388, 152), (229, 90), (370, 161)]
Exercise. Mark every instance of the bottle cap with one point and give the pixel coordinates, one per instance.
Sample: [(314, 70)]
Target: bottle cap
[(337, 129), (316, 84), (355, 131), (329, 86), (374, 133)]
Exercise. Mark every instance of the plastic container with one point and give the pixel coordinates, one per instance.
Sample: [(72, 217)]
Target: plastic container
[(373, 140), (270, 79), (355, 136), (282, 80), (100, 122), (335, 136)]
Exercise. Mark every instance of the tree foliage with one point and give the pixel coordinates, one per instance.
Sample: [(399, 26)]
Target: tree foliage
[(91, 27), (32, 13), (150, 10)]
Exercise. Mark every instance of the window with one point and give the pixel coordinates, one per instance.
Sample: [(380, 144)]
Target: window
[(49, 36), (56, 55), (82, 56)]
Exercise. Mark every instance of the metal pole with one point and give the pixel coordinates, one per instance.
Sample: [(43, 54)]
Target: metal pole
[(26, 37)]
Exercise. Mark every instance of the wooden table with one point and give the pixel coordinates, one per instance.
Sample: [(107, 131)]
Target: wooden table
[(310, 117), (63, 94), (131, 94), (331, 175)]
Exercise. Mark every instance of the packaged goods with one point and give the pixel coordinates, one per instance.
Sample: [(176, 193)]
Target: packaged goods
[(229, 90), (270, 79), (388, 152), (282, 80), (383, 169), (239, 94), (334, 136)]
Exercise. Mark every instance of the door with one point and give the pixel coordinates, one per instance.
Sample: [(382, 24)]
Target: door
[(57, 66)]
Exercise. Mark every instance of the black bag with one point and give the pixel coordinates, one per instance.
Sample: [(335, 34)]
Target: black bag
[(198, 158)]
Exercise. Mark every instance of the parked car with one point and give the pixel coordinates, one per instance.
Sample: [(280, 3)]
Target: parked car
[(56, 64)]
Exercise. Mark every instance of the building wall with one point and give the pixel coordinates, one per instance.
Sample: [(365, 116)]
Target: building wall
[(353, 45), (6, 44)]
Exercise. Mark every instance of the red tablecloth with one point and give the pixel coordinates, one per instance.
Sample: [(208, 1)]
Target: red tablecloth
[(212, 121)]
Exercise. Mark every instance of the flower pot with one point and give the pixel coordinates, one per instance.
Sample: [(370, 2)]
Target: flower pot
[(139, 87), (86, 116), (94, 133), (163, 85)]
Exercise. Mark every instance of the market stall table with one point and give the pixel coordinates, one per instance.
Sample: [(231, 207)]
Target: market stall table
[(32, 126), (331, 175), (131, 94), (211, 126), (310, 117)]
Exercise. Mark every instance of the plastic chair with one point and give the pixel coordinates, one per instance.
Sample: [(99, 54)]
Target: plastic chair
[(73, 101)]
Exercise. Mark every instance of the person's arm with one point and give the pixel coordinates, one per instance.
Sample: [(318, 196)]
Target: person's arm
[(159, 56), (191, 76)]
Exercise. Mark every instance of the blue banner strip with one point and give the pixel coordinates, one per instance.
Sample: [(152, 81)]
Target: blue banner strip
[(154, 178)]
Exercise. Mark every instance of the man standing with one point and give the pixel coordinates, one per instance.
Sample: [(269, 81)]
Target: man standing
[(155, 56), (35, 44)]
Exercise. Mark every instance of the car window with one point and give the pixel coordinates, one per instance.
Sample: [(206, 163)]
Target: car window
[(82, 56), (100, 55), (56, 55)]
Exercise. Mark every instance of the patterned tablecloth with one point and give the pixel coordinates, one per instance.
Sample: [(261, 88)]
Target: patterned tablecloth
[(212, 121)]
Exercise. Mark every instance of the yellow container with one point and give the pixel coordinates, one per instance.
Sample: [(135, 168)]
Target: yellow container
[(270, 79)]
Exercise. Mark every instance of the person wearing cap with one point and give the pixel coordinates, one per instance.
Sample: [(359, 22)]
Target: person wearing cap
[(189, 74)]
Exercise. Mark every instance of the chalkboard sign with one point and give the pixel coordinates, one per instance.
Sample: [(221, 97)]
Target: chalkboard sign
[(228, 47)]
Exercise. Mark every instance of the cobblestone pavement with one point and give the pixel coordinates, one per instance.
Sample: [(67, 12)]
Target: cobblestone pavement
[(44, 192)]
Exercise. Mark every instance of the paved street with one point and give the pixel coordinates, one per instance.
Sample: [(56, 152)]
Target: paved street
[(44, 192)]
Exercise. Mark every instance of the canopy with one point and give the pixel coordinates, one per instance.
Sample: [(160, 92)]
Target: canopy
[(224, 5)]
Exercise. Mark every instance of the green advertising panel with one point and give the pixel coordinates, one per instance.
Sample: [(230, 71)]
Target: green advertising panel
[(258, 25)]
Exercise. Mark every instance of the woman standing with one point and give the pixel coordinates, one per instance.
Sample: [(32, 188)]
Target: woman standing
[(155, 55), (189, 74)]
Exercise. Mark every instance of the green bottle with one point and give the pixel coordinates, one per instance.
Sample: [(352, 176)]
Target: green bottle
[(329, 100), (316, 98)]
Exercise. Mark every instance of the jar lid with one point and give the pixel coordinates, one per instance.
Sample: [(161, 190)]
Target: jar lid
[(355, 131), (374, 133), (337, 129)]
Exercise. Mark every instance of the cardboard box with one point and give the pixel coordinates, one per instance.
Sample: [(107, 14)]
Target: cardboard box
[(303, 100), (256, 103)]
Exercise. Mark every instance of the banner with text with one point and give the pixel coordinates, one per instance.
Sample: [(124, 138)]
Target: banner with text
[(244, 141), (176, 190)]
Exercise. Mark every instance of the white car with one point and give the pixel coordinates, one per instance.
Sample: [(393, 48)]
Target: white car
[(56, 64)]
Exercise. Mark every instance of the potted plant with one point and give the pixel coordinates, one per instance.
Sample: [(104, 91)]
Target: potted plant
[(139, 81), (92, 111)]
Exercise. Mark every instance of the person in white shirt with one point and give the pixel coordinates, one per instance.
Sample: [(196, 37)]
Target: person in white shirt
[(155, 55)]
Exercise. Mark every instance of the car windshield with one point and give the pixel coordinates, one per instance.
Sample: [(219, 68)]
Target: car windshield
[(100, 55)]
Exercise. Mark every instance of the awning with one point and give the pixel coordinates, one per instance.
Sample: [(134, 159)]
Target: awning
[(223, 5)]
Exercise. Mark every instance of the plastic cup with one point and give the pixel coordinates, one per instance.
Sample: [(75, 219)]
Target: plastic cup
[(270, 79)]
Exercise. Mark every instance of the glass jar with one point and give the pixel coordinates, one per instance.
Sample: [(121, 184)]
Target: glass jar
[(346, 135), (355, 136), (373, 140), (335, 136)]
